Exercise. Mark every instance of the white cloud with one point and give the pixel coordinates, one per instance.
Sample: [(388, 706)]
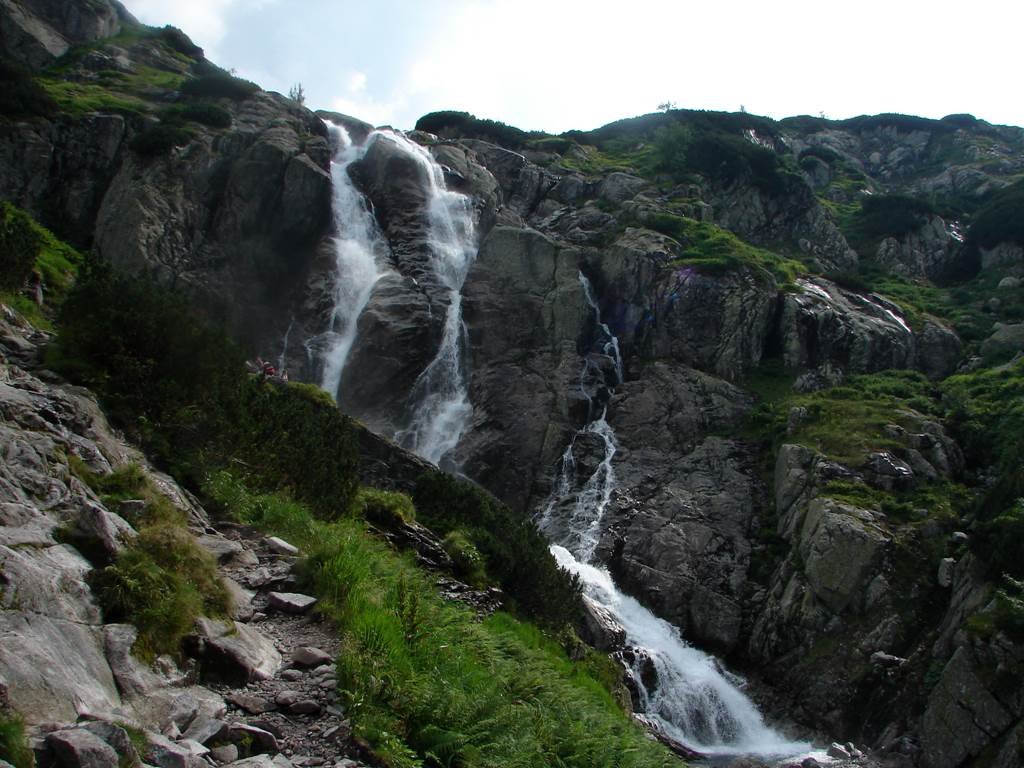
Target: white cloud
[(357, 82)]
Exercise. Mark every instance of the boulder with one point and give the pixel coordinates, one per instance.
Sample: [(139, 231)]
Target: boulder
[(236, 653), (280, 546), (1006, 340), (79, 748), (307, 656), (291, 602)]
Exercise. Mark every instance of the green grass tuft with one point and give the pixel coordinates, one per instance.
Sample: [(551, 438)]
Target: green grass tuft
[(14, 746)]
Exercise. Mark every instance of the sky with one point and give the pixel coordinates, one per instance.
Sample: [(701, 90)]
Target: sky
[(555, 65)]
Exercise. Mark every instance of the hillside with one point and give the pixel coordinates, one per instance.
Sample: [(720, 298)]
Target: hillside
[(759, 379)]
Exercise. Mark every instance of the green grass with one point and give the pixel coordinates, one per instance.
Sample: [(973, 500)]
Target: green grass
[(712, 250), (428, 684), (14, 746), (27, 247), (592, 161), (162, 581)]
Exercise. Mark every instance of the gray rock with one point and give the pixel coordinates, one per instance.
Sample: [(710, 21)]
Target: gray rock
[(254, 705), (204, 729), (290, 602), (117, 737), (307, 656), (602, 630), (1006, 340), (262, 740), (280, 546), (292, 675), (241, 599), (228, 753), (79, 748), (257, 761), (945, 573), (235, 652), (287, 698), (962, 716), (838, 751), (1009, 283), (223, 549), (164, 753)]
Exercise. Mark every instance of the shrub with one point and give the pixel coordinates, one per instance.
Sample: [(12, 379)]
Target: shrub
[(1000, 541), (160, 139), (469, 563), (671, 144), (180, 388), (217, 85), (462, 124), (1000, 220), (199, 112), (21, 96), (161, 583), (516, 553), (20, 244), (14, 746), (180, 42), (388, 509)]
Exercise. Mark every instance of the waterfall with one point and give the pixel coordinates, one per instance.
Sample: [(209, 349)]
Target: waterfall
[(356, 245), (692, 698), (439, 404)]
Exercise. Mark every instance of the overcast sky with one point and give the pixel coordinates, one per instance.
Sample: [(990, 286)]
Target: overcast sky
[(559, 64)]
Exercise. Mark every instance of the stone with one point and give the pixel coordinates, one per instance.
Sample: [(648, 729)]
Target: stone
[(79, 748), (225, 550), (602, 630), (291, 602), (307, 656), (305, 707), (944, 577), (241, 600), (962, 714), (257, 761), (838, 751), (226, 753), (204, 729), (261, 739), (1005, 340), (236, 653), (292, 675), (117, 737), (1009, 283), (280, 546), (959, 538), (164, 753), (254, 705), (287, 698)]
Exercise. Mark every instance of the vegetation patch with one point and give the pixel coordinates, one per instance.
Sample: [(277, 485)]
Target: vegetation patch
[(452, 124), (713, 250), (218, 84), (516, 553), (882, 216), (389, 509), (21, 96), (1000, 220), (426, 683), (14, 746), (161, 139), (28, 249)]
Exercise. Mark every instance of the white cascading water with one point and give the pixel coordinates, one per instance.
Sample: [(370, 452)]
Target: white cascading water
[(439, 401), (357, 245), (694, 700)]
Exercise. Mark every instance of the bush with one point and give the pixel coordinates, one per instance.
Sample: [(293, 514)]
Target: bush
[(180, 42), (387, 509), (20, 244), (462, 124), (1000, 542), (218, 85), (14, 746), (207, 114), (180, 388), (21, 96), (161, 139), (161, 583), (671, 144), (1001, 220), (469, 563), (516, 553)]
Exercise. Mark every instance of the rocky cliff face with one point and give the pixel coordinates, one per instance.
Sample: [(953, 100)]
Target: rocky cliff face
[(707, 281), (232, 214)]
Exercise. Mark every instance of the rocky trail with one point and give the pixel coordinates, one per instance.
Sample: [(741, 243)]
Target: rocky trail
[(258, 689)]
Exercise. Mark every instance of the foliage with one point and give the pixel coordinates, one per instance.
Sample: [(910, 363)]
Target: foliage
[(203, 112), (671, 145), (389, 509), (14, 746), (217, 85), (297, 93), (161, 139), (1000, 220), (451, 124), (469, 563), (713, 250), (180, 388), (21, 96), (1000, 541), (180, 42), (20, 244), (426, 682), (902, 123), (162, 582), (882, 216), (515, 552)]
